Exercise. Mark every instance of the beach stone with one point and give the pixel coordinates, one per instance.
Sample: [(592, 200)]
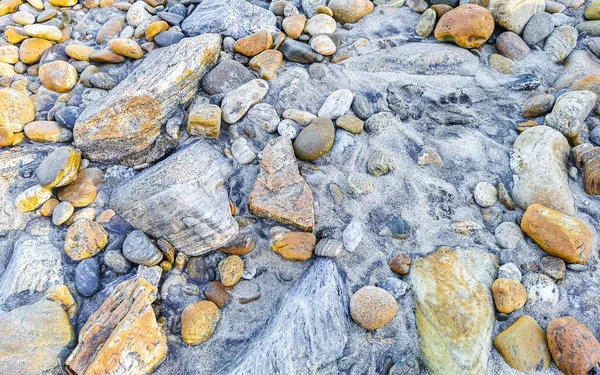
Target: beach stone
[(315, 140), (48, 32), (58, 76), (267, 63), (9, 54), (396, 287), (508, 235), (592, 11), (293, 245), (350, 11), (561, 43), (155, 28), (541, 290), (590, 28), (301, 117), (231, 270), (288, 129), (400, 263), (336, 104), (32, 198), (198, 322), (397, 228), (485, 194), (537, 105), (84, 239), (242, 152), (523, 346), (372, 307), (538, 28), (23, 18), (513, 15), (352, 236), (139, 249), (216, 293), (110, 30), (47, 131), (558, 234), (426, 23), (126, 47), (116, 262), (105, 55), (59, 168), (539, 164), (228, 75), (62, 213), (573, 346), (381, 162), (300, 52), (323, 45), (264, 116), (511, 45), (137, 14), (320, 24), (553, 267), (254, 44), (570, 111), (454, 310), (61, 295), (48, 207), (87, 277), (509, 295), (16, 109), (79, 52), (204, 120), (293, 26), (81, 192), (328, 247), (469, 26), (236, 103), (350, 123), (168, 38), (509, 271)]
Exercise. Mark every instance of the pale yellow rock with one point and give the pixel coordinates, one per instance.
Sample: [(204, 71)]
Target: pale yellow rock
[(79, 52), (23, 18), (9, 54), (6, 70), (16, 109), (61, 295), (63, 3), (37, 4), (9, 6), (59, 76), (32, 198), (31, 50), (126, 47), (198, 321), (44, 32), (15, 34)]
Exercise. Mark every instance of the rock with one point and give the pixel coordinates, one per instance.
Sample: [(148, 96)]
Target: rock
[(35, 265), (59, 168), (61, 295), (381, 162), (294, 26), (509, 295), (454, 311), (48, 32), (350, 11), (47, 131), (558, 234), (216, 293), (48, 207), (79, 52), (541, 291), (560, 43), (350, 123), (254, 44), (116, 262), (137, 14), (324, 45), (590, 28), (204, 120), (32, 198), (16, 109), (123, 328), (32, 338), (9, 54), (234, 18), (513, 15), (469, 26), (288, 129), (406, 366), (203, 217), (87, 277), (264, 116), (122, 126), (225, 77), (293, 245), (23, 18), (236, 103), (81, 192), (426, 23), (310, 6), (315, 140), (328, 247), (299, 52), (372, 307), (312, 314), (539, 164), (139, 249), (126, 47), (570, 111), (537, 105), (231, 270), (84, 239), (267, 63), (242, 152), (198, 321), (62, 212), (397, 228), (485, 194), (320, 24), (156, 28), (396, 287), (511, 45), (352, 236), (508, 235), (573, 346), (336, 104), (113, 27), (591, 178), (553, 267), (106, 56), (400, 263), (592, 11), (523, 346), (509, 271)]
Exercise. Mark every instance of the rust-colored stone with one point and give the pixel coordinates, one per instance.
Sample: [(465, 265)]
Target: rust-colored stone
[(216, 293), (400, 263), (294, 245), (469, 26), (80, 192), (591, 171), (198, 321), (254, 44), (85, 239), (573, 346), (509, 295), (239, 246)]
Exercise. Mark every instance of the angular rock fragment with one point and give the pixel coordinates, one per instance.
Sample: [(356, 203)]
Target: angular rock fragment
[(181, 199), (308, 331), (280, 192), (122, 126)]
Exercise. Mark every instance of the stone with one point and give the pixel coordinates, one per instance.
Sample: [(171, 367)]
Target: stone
[(592, 11), (513, 15), (328, 247), (311, 314), (122, 126), (537, 105), (523, 346), (350, 123), (87, 277), (591, 178), (254, 44), (299, 52), (352, 236), (541, 291), (155, 28), (372, 307), (48, 32), (406, 366), (9, 6), (7, 70), (137, 14), (336, 104), (62, 213), (233, 18), (9, 54), (267, 63), (204, 120), (203, 217), (35, 265), (84, 239), (32, 198), (400, 263), (324, 45), (198, 322), (590, 28), (116, 262), (485, 194), (397, 228), (79, 52), (539, 165), (558, 234), (509, 271), (538, 28), (508, 235), (139, 249), (294, 26), (111, 28), (350, 11), (454, 310), (58, 76), (48, 207), (61, 295), (32, 338), (310, 6), (264, 116), (23, 18), (59, 168), (320, 24), (216, 293), (469, 26), (381, 162), (236, 103), (81, 192), (561, 43), (168, 38), (228, 75), (231, 270), (16, 109), (105, 55), (63, 3), (426, 23), (509, 295), (280, 193), (511, 45), (570, 111), (126, 47), (122, 336), (242, 152), (572, 345), (301, 117), (396, 287), (293, 245), (47, 131), (15, 34), (315, 140), (288, 129), (553, 267)]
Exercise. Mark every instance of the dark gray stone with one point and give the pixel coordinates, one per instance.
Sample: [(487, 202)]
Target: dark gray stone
[(139, 249), (167, 38), (87, 277), (171, 18), (226, 76), (299, 52)]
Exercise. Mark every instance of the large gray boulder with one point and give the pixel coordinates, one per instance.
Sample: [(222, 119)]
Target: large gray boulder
[(308, 331), (181, 199), (234, 18)]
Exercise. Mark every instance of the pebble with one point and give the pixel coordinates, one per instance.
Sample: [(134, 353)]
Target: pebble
[(204, 120), (31, 50), (469, 26), (400, 263), (58, 76), (155, 28), (537, 105), (67, 116), (116, 262), (504, 197), (540, 289), (254, 44), (320, 24), (381, 162), (372, 307), (561, 43), (59, 168), (509, 271), (81, 192), (9, 54), (328, 247), (336, 104), (350, 123), (345, 11), (171, 18), (570, 111), (231, 270), (167, 38), (198, 322), (573, 346), (241, 151), (47, 131), (406, 366), (352, 236), (264, 116), (103, 81), (87, 277), (485, 194), (236, 103), (426, 23), (137, 14), (502, 64), (323, 45), (300, 52), (267, 63), (47, 32), (553, 267), (508, 235), (359, 184), (84, 239), (301, 117), (397, 228), (62, 212), (509, 295), (396, 287), (216, 293), (293, 245), (139, 249), (32, 198), (510, 45), (315, 140), (23, 18), (592, 11), (126, 47), (288, 129), (538, 28), (47, 209), (590, 28), (294, 25)]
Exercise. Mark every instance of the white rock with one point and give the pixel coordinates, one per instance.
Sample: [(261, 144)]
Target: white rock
[(352, 236), (509, 271), (242, 152), (301, 117), (328, 247), (508, 235), (320, 24), (264, 116), (569, 112), (540, 290), (137, 14), (323, 45), (336, 104), (236, 103), (288, 129), (485, 194)]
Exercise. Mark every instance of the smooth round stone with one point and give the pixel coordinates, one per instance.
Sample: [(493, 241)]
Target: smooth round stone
[(299, 52), (167, 38), (84, 239), (508, 235), (553, 267), (361, 107), (62, 212), (9, 54), (171, 18), (231, 270), (117, 263), (511, 45), (48, 207), (400, 263), (139, 249), (336, 104), (561, 43), (573, 346), (294, 25), (592, 11), (372, 307), (538, 28), (31, 50), (264, 116), (67, 116), (46, 15), (352, 236), (267, 63), (381, 162), (198, 322), (242, 152), (469, 26), (591, 28), (595, 135), (350, 123), (502, 64), (350, 11), (540, 289), (509, 271), (301, 117), (79, 51), (59, 168), (323, 45), (58, 76), (537, 105), (179, 9), (103, 81), (87, 277), (126, 47), (485, 194), (23, 18), (156, 28), (288, 129), (426, 23), (254, 44), (137, 14), (315, 140), (47, 131), (396, 287), (406, 366), (509, 295), (320, 24), (32, 198), (51, 33), (327, 247)]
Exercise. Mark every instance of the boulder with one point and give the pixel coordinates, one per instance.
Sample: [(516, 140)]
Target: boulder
[(122, 126), (182, 199)]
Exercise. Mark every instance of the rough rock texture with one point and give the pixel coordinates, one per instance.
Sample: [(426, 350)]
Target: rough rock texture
[(122, 126), (122, 337), (181, 199), (308, 330), (514, 14), (523, 345), (573, 346), (455, 312)]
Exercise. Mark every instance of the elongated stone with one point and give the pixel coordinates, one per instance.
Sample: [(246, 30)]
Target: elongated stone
[(237, 102)]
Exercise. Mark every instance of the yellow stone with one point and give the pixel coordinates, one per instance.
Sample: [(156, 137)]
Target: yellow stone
[(6, 136), (509, 295), (126, 47), (9, 6), (23, 18), (31, 50), (32, 198), (59, 76), (231, 270), (198, 322), (80, 192), (9, 54), (85, 239), (15, 34), (63, 3), (523, 345), (61, 295), (16, 109), (59, 168), (37, 4), (6, 70), (156, 28), (18, 138), (46, 131), (79, 52), (106, 3), (44, 32)]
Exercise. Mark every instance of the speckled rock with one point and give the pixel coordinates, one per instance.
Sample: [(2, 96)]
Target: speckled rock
[(139, 249), (336, 104), (573, 346), (231, 270), (16, 109), (236, 103), (350, 11), (84, 239), (539, 26), (511, 45), (469, 26), (293, 245), (570, 111), (509, 295), (560, 43), (372, 307), (198, 322), (513, 15), (87, 277)]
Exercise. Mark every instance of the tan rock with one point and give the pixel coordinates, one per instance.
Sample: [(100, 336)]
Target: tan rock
[(79, 52), (47, 32), (572, 345), (469, 26), (216, 293), (59, 76), (15, 34), (7, 137), (9, 54), (372, 307), (400, 263), (23, 18), (105, 216), (513, 15), (558, 234), (31, 50), (267, 63), (106, 56), (204, 120), (79, 193), (254, 44), (6, 70), (294, 25), (47, 131), (231, 270), (61, 295), (239, 246), (48, 207), (16, 109), (37, 4), (85, 239), (198, 321), (293, 245), (509, 295), (126, 47), (350, 11), (523, 346), (156, 28), (32, 198)]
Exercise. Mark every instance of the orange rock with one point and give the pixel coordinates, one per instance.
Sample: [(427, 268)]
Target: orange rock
[(198, 321), (62, 296), (105, 216), (126, 47), (59, 76), (523, 346), (85, 239), (6, 136), (574, 348), (267, 63), (80, 192), (31, 50), (558, 234), (9, 6), (106, 56), (372, 307), (294, 245), (469, 26), (509, 295), (294, 25), (254, 44), (15, 34), (400, 263), (156, 28), (79, 52), (216, 293), (240, 246), (48, 207)]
